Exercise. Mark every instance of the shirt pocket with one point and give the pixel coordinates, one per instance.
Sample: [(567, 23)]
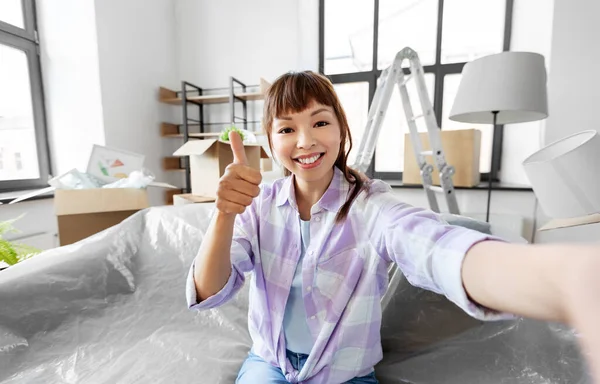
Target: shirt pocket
[(337, 278)]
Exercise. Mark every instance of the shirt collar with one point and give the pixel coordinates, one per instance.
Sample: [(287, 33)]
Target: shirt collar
[(332, 200)]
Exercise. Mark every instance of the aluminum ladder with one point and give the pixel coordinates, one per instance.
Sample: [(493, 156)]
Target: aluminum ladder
[(389, 77)]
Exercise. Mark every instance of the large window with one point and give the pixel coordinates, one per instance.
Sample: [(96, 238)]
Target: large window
[(359, 38), (24, 159)]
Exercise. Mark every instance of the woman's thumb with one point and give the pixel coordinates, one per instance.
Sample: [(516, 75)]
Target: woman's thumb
[(237, 147)]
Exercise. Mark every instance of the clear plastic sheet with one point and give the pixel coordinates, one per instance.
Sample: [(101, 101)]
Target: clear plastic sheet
[(111, 309)]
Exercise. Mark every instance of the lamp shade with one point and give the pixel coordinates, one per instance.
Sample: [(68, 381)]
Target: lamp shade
[(565, 176), (512, 83)]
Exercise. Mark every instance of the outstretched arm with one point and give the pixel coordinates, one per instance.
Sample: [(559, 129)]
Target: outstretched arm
[(547, 282)]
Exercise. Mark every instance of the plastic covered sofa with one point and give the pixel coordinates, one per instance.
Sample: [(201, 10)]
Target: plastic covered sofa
[(111, 309)]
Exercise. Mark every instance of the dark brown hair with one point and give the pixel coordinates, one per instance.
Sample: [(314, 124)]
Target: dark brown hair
[(293, 92)]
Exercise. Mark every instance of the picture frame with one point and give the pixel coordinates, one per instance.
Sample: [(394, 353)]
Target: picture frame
[(110, 164)]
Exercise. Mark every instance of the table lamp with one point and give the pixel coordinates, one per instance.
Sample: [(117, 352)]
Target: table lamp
[(565, 179), (505, 88)]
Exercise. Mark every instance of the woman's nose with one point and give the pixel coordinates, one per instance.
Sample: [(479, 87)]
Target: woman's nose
[(305, 139)]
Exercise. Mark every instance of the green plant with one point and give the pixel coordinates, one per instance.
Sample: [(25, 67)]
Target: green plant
[(10, 252), (225, 134)]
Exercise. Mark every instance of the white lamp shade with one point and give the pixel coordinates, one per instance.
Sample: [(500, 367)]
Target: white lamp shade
[(512, 83), (565, 175)]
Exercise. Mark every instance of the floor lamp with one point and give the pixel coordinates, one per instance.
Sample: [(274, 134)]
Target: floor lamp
[(505, 88)]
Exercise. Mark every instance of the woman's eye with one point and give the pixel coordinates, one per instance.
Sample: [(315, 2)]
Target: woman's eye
[(285, 130), (321, 124)]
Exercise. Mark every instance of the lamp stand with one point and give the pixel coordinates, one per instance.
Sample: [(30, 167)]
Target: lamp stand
[(487, 214)]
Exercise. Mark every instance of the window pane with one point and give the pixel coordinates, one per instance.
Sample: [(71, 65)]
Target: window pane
[(407, 24), (389, 155), (451, 83), (348, 36), (17, 134), (472, 29), (11, 12), (355, 101)]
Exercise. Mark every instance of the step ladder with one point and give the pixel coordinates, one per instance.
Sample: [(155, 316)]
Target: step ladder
[(389, 77), (392, 75)]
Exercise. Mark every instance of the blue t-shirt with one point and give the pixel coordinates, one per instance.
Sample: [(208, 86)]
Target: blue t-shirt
[(295, 327)]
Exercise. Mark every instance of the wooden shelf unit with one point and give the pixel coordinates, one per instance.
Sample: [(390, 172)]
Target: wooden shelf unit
[(193, 95), (168, 96)]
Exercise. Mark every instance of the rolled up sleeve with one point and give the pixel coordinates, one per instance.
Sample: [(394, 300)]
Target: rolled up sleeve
[(242, 261), (429, 251)]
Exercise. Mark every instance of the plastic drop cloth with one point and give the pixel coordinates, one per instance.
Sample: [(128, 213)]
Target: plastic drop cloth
[(111, 309)]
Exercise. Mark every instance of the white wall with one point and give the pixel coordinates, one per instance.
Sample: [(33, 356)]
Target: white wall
[(136, 51), (531, 32), (69, 58), (573, 87), (244, 39)]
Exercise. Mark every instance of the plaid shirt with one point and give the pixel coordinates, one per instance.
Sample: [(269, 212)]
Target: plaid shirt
[(344, 272)]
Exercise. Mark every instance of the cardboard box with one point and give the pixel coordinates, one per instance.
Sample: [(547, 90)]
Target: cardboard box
[(84, 212), (462, 150), (208, 160), (266, 165), (87, 210)]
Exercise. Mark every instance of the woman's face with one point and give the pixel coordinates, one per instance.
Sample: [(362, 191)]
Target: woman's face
[(307, 143)]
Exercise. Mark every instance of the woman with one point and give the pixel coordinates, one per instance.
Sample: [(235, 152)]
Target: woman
[(319, 243)]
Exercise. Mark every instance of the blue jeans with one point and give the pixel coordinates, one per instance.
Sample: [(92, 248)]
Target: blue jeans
[(256, 370)]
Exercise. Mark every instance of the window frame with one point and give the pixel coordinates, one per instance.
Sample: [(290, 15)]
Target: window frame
[(26, 40), (438, 69)]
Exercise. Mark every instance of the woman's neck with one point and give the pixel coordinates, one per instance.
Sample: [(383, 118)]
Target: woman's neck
[(309, 192)]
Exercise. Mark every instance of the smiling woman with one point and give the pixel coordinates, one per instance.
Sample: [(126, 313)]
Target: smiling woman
[(320, 250), (304, 121)]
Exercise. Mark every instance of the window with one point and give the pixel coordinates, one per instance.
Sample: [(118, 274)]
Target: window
[(355, 98), (24, 161), (360, 38)]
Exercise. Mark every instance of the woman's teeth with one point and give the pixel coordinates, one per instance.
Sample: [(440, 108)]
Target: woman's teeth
[(309, 160)]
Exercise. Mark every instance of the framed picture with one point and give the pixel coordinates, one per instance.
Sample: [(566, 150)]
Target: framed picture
[(110, 164)]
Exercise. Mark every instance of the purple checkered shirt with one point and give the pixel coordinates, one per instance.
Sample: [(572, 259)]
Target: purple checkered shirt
[(344, 273)]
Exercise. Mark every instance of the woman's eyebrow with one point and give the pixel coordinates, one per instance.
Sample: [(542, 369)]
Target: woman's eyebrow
[(312, 114), (319, 111)]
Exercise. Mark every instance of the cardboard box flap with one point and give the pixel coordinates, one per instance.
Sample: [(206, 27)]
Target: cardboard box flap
[(79, 201), (195, 147), (571, 222)]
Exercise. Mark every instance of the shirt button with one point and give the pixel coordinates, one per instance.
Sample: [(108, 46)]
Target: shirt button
[(317, 219), (311, 252), (312, 317), (309, 288)]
